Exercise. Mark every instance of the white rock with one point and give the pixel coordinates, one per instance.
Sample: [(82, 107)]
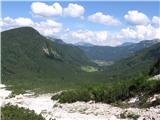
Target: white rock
[(156, 77), (153, 98), (74, 111), (3, 94), (133, 100)]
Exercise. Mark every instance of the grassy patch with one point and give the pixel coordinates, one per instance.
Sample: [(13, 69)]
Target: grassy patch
[(89, 69), (103, 62)]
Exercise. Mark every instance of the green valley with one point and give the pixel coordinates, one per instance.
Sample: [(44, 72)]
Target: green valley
[(31, 61), (80, 60)]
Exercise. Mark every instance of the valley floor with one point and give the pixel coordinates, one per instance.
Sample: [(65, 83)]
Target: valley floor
[(42, 104)]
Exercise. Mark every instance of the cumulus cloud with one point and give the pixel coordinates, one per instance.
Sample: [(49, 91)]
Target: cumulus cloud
[(47, 28), (51, 28), (23, 21), (99, 17), (103, 38), (139, 32), (44, 10), (74, 10), (136, 18), (10, 22), (94, 37), (156, 20)]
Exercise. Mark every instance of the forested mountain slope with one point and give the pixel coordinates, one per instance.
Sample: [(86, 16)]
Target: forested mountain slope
[(30, 58), (109, 53), (138, 63)]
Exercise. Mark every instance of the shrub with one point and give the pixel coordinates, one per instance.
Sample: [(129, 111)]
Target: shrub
[(10, 112), (112, 93)]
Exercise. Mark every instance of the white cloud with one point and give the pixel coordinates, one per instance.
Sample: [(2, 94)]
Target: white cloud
[(10, 22), (136, 18), (85, 36), (134, 34), (7, 21), (53, 28), (44, 10), (23, 21), (139, 32), (103, 19), (47, 28), (156, 20), (74, 10), (94, 37)]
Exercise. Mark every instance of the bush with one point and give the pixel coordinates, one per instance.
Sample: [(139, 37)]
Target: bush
[(112, 93), (72, 96), (129, 115), (10, 112)]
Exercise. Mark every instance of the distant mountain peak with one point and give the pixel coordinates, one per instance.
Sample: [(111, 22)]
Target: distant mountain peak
[(126, 44), (85, 44), (116, 53), (27, 28), (154, 41), (57, 40)]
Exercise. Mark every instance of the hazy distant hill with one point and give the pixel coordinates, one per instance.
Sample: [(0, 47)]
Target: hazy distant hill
[(56, 40), (109, 53), (84, 44), (141, 62), (127, 43)]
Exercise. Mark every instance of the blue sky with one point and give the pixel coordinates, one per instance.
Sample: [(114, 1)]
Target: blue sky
[(77, 29)]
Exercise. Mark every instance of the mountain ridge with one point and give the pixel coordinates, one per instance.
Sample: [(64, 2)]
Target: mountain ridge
[(139, 63), (109, 53)]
